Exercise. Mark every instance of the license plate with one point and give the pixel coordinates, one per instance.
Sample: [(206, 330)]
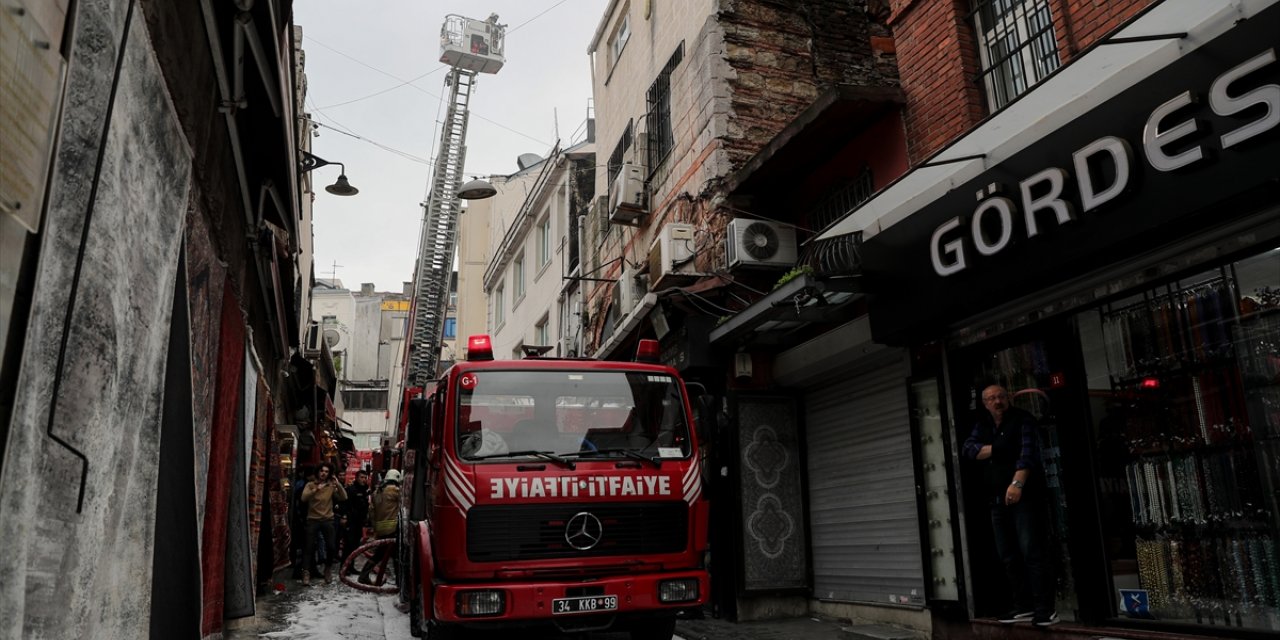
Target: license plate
[(587, 604)]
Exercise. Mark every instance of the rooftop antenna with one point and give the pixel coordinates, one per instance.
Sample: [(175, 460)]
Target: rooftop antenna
[(333, 275)]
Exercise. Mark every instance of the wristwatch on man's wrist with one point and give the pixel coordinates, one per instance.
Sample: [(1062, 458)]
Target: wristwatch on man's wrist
[(1018, 483)]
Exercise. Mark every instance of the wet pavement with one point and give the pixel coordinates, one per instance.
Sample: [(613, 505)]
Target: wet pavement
[(335, 611)]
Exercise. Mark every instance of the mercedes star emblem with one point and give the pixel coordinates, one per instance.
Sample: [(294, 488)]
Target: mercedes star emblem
[(583, 531)]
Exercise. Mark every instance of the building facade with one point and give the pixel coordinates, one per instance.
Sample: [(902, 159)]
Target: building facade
[(151, 314), (365, 333), (936, 197), (531, 280), (714, 107)]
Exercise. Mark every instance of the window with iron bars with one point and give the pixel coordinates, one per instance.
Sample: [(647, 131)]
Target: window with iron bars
[(843, 200), (619, 153), (658, 114), (1016, 46)]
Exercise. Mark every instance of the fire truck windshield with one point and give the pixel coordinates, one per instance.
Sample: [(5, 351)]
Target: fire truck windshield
[(583, 414)]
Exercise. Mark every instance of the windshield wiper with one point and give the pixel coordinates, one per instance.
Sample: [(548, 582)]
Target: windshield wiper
[(630, 453), (545, 455)]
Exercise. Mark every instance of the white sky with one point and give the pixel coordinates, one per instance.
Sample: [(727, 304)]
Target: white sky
[(356, 49)]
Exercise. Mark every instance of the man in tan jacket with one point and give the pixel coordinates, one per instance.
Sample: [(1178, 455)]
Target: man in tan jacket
[(319, 496)]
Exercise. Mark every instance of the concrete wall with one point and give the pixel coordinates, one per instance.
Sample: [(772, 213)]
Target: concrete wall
[(473, 258), (340, 304), (544, 284), (78, 485), (366, 330)]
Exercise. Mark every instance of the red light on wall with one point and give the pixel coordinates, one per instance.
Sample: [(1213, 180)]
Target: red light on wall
[(1150, 383)]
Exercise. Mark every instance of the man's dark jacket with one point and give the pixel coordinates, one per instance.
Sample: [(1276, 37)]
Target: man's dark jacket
[(1006, 447)]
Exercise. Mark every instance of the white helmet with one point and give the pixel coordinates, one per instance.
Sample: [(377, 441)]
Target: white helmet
[(392, 476)]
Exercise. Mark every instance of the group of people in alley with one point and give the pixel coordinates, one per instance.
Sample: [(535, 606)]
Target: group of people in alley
[(331, 520)]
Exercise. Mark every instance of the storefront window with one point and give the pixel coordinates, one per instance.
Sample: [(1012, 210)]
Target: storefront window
[(1184, 384)]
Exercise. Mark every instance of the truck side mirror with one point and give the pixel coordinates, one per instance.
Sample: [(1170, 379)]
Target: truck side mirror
[(706, 416), (704, 409), (419, 427)]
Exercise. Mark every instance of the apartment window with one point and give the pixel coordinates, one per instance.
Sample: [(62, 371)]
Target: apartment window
[(450, 328), (619, 153), (1016, 45), (541, 333), (621, 34), (364, 399), (518, 275), (544, 242), (658, 115), (499, 313)]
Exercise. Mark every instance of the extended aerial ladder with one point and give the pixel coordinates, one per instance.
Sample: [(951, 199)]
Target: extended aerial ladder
[(469, 47)]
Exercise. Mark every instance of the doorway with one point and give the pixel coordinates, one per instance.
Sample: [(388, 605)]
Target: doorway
[(1039, 366)]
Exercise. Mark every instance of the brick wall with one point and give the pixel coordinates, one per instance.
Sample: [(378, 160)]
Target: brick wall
[(938, 60), (784, 53)]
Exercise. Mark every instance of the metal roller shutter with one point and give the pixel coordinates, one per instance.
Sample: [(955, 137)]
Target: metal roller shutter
[(862, 498)]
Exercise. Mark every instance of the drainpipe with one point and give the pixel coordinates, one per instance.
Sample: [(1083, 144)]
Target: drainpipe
[(229, 107)]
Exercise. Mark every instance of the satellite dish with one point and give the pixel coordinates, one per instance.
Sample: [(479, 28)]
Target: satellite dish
[(527, 160), (760, 241)]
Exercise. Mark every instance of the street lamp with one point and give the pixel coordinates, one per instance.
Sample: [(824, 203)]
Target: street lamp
[(340, 187), (477, 189)]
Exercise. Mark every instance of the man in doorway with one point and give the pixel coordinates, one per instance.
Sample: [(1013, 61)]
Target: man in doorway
[(1005, 442)]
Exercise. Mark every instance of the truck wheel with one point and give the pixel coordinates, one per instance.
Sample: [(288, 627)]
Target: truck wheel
[(661, 629)]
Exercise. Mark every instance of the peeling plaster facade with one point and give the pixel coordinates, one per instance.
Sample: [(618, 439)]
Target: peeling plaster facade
[(743, 70)]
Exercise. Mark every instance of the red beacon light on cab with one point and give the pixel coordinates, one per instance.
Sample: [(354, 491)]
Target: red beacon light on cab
[(647, 351), (479, 348)]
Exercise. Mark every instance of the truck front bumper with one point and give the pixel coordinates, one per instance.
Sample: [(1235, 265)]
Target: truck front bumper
[(536, 601)]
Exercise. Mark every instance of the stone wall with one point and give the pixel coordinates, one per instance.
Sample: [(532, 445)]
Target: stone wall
[(784, 54), (78, 486)]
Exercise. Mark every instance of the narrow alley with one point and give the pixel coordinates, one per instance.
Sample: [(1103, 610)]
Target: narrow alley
[(640, 319)]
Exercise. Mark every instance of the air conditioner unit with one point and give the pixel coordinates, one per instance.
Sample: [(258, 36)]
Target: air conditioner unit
[(631, 288), (671, 255), (757, 243), (312, 342), (332, 337), (626, 198)]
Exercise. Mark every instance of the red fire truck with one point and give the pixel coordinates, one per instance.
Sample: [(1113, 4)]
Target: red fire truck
[(564, 492)]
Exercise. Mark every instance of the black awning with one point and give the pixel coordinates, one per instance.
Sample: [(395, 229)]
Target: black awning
[(801, 302)]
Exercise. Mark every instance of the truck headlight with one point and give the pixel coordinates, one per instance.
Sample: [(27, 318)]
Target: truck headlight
[(480, 603), (682, 590)]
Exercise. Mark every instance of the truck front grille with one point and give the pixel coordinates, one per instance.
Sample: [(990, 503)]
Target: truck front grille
[(536, 531)]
